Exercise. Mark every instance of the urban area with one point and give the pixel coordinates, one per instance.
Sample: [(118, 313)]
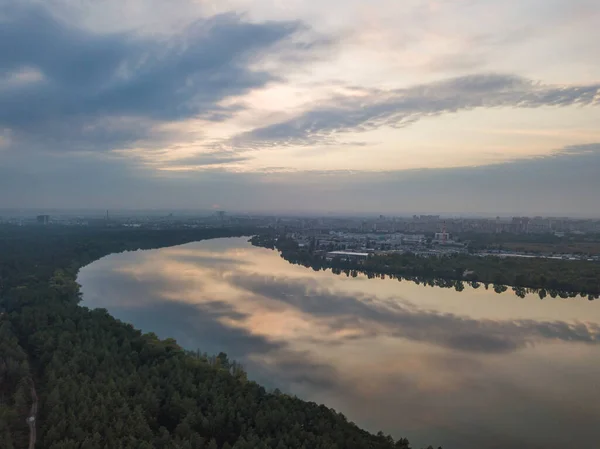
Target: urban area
[(359, 237)]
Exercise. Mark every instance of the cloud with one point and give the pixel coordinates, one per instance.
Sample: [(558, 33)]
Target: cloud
[(372, 108), (110, 90), (208, 259), (209, 159), (94, 105)]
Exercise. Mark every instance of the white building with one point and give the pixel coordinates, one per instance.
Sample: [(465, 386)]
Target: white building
[(346, 255)]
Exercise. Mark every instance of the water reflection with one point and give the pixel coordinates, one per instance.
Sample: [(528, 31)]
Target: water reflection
[(463, 370)]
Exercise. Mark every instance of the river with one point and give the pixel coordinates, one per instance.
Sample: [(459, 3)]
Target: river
[(464, 370)]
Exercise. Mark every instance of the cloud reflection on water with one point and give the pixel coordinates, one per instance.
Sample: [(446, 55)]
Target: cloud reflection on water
[(369, 316), (374, 350)]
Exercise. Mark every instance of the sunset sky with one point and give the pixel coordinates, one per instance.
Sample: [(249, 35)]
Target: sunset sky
[(381, 106)]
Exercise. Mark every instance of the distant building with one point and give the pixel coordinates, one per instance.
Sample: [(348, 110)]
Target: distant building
[(413, 239), (346, 255), (43, 219), (221, 216)]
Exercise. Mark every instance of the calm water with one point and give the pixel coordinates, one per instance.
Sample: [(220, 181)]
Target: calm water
[(464, 370)]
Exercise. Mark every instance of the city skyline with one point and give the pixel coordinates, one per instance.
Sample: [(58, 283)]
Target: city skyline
[(457, 107), (32, 212)]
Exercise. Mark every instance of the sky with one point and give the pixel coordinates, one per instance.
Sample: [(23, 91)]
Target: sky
[(386, 106)]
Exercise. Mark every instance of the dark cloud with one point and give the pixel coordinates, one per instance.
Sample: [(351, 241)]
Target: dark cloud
[(291, 369), (401, 107), (306, 372), (109, 89), (371, 317), (212, 260), (197, 326)]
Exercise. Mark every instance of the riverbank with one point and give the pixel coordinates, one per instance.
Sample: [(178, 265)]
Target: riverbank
[(546, 277)]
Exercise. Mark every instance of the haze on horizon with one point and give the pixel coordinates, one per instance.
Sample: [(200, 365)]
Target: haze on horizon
[(450, 106)]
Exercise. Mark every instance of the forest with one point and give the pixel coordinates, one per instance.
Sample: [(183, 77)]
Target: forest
[(545, 277), (584, 244), (75, 378)]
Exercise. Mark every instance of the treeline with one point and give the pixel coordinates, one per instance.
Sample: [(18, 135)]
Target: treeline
[(582, 245), (31, 254), (104, 385), (546, 277)]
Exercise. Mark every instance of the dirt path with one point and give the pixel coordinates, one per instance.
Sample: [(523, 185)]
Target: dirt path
[(31, 420)]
